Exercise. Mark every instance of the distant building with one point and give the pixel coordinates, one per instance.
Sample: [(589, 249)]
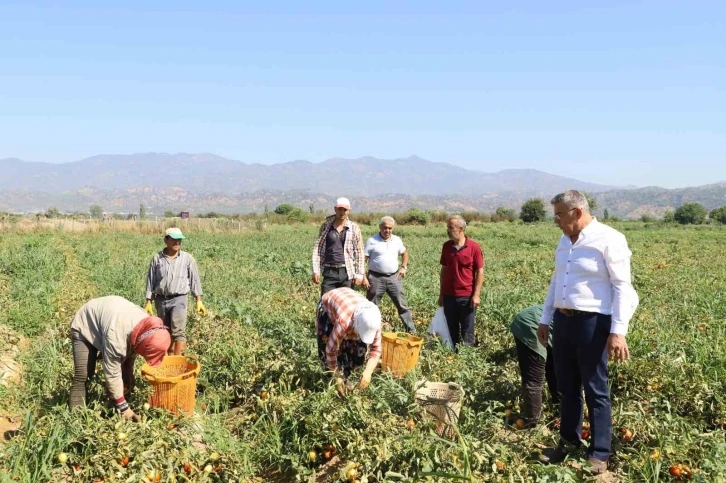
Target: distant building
[(184, 215)]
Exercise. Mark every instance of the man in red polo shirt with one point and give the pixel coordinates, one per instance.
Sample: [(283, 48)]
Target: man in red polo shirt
[(462, 276)]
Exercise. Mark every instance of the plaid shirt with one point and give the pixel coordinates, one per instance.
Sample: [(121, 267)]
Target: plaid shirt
[(353, 249), (340, 305)]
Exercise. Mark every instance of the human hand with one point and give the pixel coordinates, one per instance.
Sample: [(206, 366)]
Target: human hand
[(365, 380), (340, 386), (543, 334), (401, 273), (316, 278), (475, 301), (617, 348), (148, 308), (129, 415), (366, 283)]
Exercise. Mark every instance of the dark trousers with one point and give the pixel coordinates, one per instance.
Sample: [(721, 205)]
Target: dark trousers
[(581, 361), (460, 317), (380, 285), (334, 278), (84, 367), (534, 370)]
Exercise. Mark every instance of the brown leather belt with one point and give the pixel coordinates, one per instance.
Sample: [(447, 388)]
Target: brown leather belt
[(571, 312)]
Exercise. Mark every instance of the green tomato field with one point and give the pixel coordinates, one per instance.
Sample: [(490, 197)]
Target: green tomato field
[(265, 411)]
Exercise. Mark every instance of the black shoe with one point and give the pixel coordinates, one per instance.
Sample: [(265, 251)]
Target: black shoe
[(556, 455)]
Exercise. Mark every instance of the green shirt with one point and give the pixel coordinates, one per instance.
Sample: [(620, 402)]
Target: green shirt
[(524, 327)]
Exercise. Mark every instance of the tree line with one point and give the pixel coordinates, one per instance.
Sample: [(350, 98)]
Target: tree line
[(532, 211)]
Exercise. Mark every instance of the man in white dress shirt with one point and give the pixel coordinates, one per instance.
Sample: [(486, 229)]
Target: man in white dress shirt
[(591, 299), (384, 276)]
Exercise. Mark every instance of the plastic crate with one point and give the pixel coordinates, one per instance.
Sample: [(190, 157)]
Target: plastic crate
[(400, 352)]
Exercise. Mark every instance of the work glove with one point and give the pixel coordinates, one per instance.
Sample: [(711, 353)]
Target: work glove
[(148, 307), (201, 309)]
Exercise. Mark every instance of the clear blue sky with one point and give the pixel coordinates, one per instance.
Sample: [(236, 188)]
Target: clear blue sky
[(626, 92)]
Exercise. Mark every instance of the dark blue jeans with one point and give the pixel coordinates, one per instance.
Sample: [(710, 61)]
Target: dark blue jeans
[(460, 318), (578, 346)]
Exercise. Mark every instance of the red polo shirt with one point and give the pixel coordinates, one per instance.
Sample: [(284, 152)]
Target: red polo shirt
[(461, 265)]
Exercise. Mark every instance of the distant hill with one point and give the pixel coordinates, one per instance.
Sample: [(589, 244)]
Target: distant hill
[(655, 201), (208, 173), (621, 203), (201, 183)]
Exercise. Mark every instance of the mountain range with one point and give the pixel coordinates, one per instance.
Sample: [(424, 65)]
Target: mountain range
[(206, 182), (208, 173)]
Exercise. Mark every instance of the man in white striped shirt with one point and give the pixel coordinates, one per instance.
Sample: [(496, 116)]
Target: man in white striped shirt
[(592, 300)]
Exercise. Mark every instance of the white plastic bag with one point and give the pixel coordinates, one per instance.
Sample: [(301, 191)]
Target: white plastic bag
[(440, 328)]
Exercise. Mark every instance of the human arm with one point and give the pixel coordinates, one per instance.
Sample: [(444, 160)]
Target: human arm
[(113, 371), (478, 282), (478, 266), (127, 373), (404, 265), (374, 355), (442, 274), (358, 256), (625, 299), (317, 259), (195, 282), (333, 345), (150, 281), (548, 310), (365, 378)]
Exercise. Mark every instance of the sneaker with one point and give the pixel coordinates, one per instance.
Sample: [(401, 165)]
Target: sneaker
[(555, 455), (598, 467)]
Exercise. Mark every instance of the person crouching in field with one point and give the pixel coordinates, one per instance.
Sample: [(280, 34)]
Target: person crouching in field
[(535, 363), (348, 327), (172, 275), (119, 329)]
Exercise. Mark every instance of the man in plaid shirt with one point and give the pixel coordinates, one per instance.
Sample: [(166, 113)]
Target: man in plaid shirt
[(349, 327), (338, 251)]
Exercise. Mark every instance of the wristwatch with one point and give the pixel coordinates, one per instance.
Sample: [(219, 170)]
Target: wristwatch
[(404, 267)]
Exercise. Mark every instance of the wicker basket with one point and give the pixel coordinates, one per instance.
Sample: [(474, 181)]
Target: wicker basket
[(443, 401), (400, 352), (173, 383)]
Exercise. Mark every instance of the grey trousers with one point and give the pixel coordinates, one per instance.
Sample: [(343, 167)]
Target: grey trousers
[(392, 285), (173, 311), (84, 367)]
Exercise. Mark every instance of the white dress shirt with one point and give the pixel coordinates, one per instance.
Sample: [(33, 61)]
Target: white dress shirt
[(593, 275)]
